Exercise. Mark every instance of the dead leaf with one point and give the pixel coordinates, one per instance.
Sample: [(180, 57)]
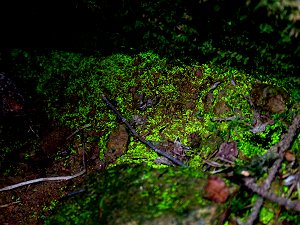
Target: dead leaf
[(227, 151), (216, 190), (289, 156)]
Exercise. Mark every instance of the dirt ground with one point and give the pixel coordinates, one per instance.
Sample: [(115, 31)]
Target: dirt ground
[(31, 203)]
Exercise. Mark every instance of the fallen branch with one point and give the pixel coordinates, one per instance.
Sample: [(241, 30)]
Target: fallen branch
[(286, 139), (157, 150), (295, 205), (264, 188), (277, 151)]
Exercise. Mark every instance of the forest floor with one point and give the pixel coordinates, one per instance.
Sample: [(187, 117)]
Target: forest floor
[(221, 116)]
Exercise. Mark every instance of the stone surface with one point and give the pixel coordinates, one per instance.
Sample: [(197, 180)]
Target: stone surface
[(228, 151), (268, 98), (117, 144), (221, 108)]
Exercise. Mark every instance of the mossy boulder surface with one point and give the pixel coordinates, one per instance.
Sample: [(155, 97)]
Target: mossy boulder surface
[(141, 195), (163, 101), (189, 111)]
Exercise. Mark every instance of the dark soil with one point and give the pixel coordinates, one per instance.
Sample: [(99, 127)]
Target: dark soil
[(37, 157)]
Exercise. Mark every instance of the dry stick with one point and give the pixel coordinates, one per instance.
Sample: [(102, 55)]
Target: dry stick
[(41, 180), (226, 119), (157, 150), (62, 178), (286, 139), (265, 187), (295, 205), (277, 150)]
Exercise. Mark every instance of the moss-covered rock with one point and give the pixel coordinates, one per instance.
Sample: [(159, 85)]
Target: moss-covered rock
[(188, 111), (141, 195)]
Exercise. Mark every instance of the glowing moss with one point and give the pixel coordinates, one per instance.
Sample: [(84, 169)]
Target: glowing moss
[(138, 153), (139, 194), (122, 76), (266, 216)]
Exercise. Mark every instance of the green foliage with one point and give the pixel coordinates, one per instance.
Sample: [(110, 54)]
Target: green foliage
[(240, 202), (254, 35), (290, 216)]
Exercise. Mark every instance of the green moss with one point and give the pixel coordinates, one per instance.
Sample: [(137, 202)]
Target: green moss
[(196, 162), (122, 195), (79, 81), (72, 85), (296, 146), (266, 216), (138, 153)]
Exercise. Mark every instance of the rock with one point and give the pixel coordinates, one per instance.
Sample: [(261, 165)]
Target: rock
[(268, 98), (207, 101), (276, 104), (221, 108), (228, 151), (143, 195), (117, 144)]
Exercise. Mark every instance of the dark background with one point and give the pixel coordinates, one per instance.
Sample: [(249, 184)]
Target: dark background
[(176, 29)]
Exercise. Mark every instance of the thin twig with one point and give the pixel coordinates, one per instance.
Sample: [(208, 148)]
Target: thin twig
[(9, 204), (215, 85), (157, 150), (76, 131), (62, 178), (42, 180), (226, 119)]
